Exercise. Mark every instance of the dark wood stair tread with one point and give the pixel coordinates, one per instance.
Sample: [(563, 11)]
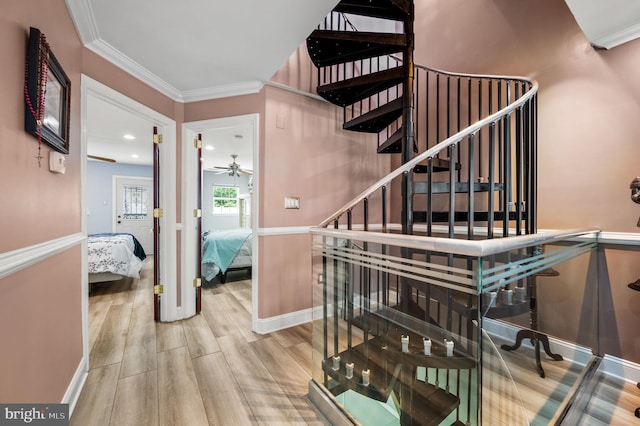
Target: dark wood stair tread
[(393, 145), (377, 119), (428, 407), (438, 164), (380, 384), (420, 187), (352, 90), (443, 216), (386, 9), (330, 47)]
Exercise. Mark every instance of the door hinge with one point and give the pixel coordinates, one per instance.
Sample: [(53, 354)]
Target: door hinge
[(197, 282), (158, 289), (197, 213), (157, 213), (197, 143), (157, 138)]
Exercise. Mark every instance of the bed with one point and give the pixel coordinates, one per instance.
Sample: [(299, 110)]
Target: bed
[(112, 256), (224, 251)]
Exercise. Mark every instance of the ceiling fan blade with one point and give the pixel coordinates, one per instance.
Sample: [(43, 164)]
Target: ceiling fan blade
[(219, 167), (246, 172), (95, 157)]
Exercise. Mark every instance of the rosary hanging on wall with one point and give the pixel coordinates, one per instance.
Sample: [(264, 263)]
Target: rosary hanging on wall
[(41, 88), (47, 97)]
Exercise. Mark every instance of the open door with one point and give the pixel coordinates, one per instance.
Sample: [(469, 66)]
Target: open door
[(199, 225), (157, 214)]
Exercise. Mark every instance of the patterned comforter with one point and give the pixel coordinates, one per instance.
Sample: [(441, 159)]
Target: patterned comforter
[(113, 253)]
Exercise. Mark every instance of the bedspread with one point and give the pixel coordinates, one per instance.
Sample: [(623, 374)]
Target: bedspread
[(113, 253), (220, 248)]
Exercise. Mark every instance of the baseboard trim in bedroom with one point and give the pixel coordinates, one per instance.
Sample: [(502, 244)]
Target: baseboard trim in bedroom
[(16, 260), (75, 387)]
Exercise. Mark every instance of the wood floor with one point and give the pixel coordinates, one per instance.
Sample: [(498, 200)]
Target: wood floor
[(213, 370), (210, 369)]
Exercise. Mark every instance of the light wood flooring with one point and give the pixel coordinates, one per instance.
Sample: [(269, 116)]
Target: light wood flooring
[(210, 369)]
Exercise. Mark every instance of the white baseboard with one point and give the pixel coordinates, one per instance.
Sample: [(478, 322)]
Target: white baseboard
[(569, 351), (620, 368), (280, 322), (75, 387)]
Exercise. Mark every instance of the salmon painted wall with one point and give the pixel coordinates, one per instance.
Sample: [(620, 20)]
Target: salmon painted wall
[(588, 127), (305, 154), (44, 205), (40, 308)]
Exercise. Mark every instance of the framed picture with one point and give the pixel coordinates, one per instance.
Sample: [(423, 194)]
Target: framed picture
[(47, 95)]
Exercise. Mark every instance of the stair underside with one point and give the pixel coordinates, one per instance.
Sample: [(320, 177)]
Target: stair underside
[(350, 91), (336, 47), (377, 119), (467, 306), (443, 216), (386, 9), (460, 187)]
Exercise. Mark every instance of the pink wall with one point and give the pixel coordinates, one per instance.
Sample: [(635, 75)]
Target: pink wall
[(41, 331), (40, 306), (305, 154), (588, 127), (44, 205)]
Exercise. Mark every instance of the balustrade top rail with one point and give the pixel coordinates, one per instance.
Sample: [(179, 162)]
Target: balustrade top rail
[(475, 248)]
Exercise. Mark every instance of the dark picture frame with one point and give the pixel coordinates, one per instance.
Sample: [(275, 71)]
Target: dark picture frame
[(51, 104)]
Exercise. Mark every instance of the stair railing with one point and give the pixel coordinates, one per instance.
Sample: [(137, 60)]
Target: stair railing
[(488, 124), (503, 142)]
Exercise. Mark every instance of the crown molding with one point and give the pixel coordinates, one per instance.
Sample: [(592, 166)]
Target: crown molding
[(83, 18), (225, 91), (609, 41), (117, 58)]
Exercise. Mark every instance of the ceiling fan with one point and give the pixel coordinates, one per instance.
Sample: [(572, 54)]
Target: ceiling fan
[(234, 168), (96, 157)]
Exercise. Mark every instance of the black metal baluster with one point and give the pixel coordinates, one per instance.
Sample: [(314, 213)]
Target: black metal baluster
[(491, 177)]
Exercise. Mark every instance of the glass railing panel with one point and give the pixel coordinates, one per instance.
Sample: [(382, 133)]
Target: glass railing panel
[(540, 308), (395, 335)]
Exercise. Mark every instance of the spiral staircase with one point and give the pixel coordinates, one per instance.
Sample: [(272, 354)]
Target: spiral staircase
[(468, 151)]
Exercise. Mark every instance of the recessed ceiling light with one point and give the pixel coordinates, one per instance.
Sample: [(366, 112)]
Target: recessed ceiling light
[(129, 137), (135, 156), (209, 148)]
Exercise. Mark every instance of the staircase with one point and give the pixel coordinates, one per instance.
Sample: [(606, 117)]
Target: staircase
[(468, 151)]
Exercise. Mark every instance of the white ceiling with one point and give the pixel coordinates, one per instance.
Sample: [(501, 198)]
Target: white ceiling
[(202, 49), (189, 50)]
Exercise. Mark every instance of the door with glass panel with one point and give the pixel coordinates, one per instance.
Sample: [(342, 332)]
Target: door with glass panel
[(134, 209)]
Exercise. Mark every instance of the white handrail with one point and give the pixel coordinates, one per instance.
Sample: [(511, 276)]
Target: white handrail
[(474, 248)]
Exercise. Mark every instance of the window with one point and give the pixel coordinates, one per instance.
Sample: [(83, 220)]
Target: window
[(134, 202), (225, 199)]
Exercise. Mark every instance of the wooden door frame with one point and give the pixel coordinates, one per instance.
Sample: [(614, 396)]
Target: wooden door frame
[(189, 202), (92, 88)]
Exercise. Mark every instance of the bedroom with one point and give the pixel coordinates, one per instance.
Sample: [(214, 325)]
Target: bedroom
[(119, 169)]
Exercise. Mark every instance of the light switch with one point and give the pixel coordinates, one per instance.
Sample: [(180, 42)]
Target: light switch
[(57, 162), (291, 202)]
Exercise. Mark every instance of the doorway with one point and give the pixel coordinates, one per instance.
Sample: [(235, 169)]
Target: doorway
[(92, 94), (225, 141)]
